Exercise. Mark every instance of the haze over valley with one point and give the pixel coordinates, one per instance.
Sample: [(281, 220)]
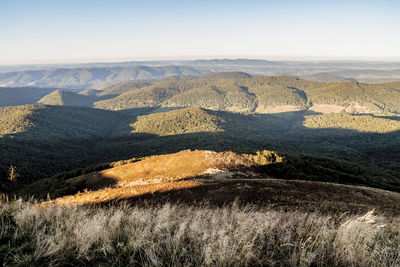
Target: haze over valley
[(217, 133)]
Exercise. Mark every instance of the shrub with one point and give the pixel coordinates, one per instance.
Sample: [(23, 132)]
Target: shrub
[(267, 157)]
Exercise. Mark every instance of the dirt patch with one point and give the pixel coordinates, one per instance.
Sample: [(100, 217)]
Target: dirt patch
[(326, 109), (276, 109)]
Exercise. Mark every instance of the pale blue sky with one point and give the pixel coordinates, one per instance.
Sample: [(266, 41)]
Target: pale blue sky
[(39, 31)]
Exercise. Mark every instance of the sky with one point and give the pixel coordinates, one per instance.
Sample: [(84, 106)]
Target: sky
[(52, 31)]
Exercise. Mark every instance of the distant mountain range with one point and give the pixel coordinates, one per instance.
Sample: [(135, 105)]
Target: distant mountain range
[(100, 75), (82, 78)]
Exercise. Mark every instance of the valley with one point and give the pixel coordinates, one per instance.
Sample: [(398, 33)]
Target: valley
[(200, 133), (219, 140)]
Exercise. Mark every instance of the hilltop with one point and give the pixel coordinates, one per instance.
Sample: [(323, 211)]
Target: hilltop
[(64, 98), (219, 178)]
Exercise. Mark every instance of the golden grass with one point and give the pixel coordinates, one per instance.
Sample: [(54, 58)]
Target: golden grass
[(152, 174), (180, 235), (164, 168), (220, 178), (119, 193)]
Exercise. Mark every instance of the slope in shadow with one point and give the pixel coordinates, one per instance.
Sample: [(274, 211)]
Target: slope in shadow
[(284, 132)]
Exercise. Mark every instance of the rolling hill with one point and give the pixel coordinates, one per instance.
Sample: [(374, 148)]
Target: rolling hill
[(56, 122), (366, 146), (258, 95), (100, 75), (182, 121), (219, 178), (236, 91)]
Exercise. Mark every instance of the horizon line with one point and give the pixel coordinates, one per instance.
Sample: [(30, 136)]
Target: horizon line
[(191, 58)]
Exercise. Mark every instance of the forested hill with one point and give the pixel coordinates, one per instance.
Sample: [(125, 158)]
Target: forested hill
[(228, 91), (257, 94), (41, 140)]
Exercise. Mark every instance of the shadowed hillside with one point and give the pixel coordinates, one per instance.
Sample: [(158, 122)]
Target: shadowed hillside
[(363, 147), (14, 96)]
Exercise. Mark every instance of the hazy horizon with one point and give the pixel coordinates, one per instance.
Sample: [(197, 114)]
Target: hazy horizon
[(45, 32), (282, 58)]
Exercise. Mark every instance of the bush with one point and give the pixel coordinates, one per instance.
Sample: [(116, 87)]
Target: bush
[(267, 157)]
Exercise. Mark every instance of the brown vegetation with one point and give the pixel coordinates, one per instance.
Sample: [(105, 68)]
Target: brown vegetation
[(219, 179), (181, 235), (163, 168)]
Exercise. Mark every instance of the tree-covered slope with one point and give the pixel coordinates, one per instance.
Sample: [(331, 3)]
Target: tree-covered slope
[(181, 121), (43, 140), (150, 96), (239, 92), (56, 122)]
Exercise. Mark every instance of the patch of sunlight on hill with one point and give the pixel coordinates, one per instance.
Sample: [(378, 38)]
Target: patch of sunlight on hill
[(182, 121), (57, 122), (360, 123), (15, 119)]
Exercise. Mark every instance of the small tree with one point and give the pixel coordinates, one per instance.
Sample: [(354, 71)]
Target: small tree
[(12, 173), (266, 157)]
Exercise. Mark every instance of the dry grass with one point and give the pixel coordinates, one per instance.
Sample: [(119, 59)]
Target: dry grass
[(164, 168), (120, 193), (200, 236), (220, 178)]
